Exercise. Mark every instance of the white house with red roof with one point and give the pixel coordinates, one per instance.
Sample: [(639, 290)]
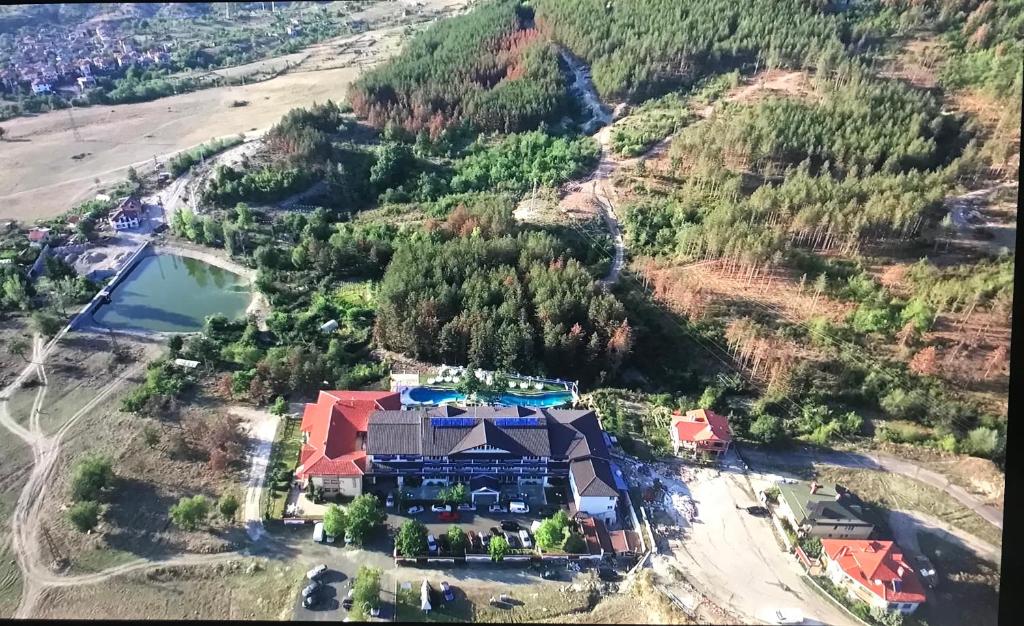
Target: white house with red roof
[(127, 214), (873, 571), (333, 455), (700, 432)]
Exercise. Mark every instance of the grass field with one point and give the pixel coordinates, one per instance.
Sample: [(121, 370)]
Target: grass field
[(39, 178), (530, 604)]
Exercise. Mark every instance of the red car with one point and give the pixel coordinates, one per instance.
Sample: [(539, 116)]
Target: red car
[(448, 516)]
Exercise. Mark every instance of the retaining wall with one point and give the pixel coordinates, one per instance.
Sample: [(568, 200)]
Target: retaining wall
[(83, 316)]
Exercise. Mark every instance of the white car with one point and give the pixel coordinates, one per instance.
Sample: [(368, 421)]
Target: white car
[(525, 537), (788, 616), (517, 506), (413, 510), (465, 506), (315, 573), (496, 508), (431, 543), (390, 502), (441, 508)]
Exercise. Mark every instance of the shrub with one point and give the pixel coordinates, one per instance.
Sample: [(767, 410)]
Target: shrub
[(84, 515), (983, 442), (498, 548), (457, 540), (188, 513), (334, 520), (150, 435), (227, 505), (90, 477), (364, 516), (574, 544), (366, 591)]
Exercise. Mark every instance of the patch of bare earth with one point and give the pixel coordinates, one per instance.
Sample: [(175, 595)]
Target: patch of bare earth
[(642, 604), (917, 62), (241, 589), (980, 477), (789, 83)]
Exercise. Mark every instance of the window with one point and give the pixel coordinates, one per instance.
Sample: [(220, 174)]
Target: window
[(894, 606)]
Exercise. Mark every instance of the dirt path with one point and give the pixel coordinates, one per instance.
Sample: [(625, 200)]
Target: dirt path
[(885, 463), (261, 426), (906, 525), (27, 517)]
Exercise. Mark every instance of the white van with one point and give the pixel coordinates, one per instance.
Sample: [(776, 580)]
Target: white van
[(517, 506), (318, 532)]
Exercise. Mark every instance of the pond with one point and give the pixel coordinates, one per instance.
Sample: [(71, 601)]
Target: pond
[(170, 293)]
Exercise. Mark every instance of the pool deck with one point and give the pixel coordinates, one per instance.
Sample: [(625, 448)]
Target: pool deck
[(529, 397)]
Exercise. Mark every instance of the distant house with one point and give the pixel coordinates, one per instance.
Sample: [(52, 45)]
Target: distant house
[(818, 511), (39, 236), (127, 215), (873, 571), (333, 455), (86, 81), (700, 433), (40, 87)]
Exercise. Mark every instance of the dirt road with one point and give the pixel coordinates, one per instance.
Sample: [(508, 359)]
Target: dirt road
[(906, 525), (52, 161), (261, 426), (879, 462)]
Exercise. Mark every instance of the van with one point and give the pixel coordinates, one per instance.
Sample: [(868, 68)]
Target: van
[(318, 532), (517, 506)]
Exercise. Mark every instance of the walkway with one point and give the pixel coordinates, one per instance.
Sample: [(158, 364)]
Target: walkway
[(261, 426)]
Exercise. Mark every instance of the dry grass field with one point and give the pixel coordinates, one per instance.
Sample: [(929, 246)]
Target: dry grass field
[(53, 161)]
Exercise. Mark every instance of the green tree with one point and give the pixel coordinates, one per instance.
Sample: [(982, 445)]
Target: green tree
[(365, 515), (15, 294), (498, 548), (175, 343), (84, 515), (189, 513), (575, 544), (228, 505), (280, 406), (365, 592), (552, 531), (411, 539), (91, 476), (45, 323), (455, 494), (767, 429), (457, 540), (334, 520)]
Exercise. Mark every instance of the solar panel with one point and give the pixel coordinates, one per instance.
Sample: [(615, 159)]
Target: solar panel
[(452, 422), (516, 422)]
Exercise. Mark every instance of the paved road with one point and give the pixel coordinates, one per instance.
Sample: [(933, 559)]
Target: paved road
[(880, 462)]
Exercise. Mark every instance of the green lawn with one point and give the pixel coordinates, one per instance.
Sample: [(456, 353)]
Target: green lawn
[(283, 458)]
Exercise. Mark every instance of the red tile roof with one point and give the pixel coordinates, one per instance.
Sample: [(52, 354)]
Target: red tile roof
[(877, 565), (702, 426), (596, 535), (332, 426)]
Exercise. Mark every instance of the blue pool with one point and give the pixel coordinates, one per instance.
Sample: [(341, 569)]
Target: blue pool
[(435, 396)]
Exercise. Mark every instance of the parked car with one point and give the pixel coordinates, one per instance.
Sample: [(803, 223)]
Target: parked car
[(431, 543), (926, 570), (311, 588), (446, 591), (513, 540), (550, 574), (496, 508), (413, 510), (517, 506), (788, 616), (466, 506), (607, 573), (316, 572), (311, 600), (510, 525), (448, 516), (347, 604), (441, 508), (390, 502), (758, 511), (474, 540), (485, 542), (318, 532), (525, 538)]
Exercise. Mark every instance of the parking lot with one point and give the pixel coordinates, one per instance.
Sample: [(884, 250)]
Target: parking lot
[(479, 521)]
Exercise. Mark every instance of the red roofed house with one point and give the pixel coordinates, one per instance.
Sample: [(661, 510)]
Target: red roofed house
[(333, 455), (127, 214), (700, 432), (873, 571)]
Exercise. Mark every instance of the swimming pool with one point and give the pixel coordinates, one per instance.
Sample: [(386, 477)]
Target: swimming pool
[(435, 396)]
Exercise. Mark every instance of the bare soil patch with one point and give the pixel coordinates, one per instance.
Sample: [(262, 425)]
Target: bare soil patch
[(226, 591), (788, 83)]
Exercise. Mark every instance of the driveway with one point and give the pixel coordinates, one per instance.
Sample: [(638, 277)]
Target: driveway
[(879, 462), (261, 427), (735, 558)]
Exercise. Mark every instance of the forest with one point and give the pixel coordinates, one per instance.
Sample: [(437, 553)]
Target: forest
[(487, 69)]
